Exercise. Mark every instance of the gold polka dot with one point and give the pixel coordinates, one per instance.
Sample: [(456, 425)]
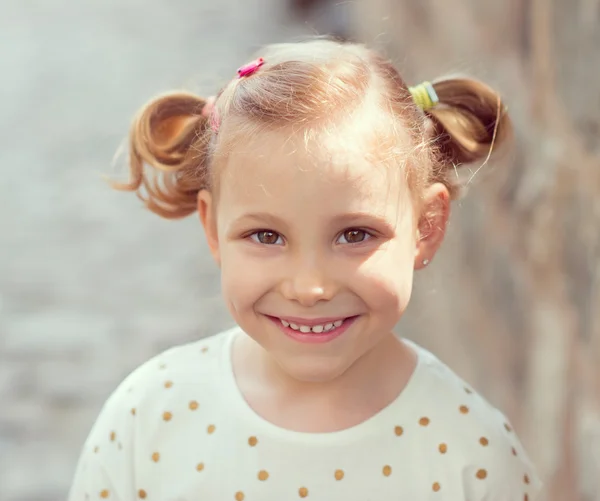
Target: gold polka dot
[(200, 467), (96, 449), (436, 487), (104, 494), (387, 470), (252, 441), (156, 457), (339, 474), (211, 428), (204, 349), (481, 474), (303, 492), (443, 448), (133, 411), (398, 430), (168, 384), (464, 409), (514, 451), (239, 496), (507, 427), (468, 390), (142, 494), (193, 405), (424, 421), (113, 435), (263, 475), (526, 478), (167, 416), (484, 441)]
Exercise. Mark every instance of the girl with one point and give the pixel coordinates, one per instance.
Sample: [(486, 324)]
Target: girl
[(322, 182)]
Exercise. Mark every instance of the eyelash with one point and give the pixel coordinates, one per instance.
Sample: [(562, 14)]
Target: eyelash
[(254, 236)]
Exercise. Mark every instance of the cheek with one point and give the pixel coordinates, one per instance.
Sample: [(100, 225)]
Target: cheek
[(388, 279), (243, 281)]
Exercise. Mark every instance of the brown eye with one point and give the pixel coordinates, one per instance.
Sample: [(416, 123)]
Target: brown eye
[(266, 237), (355, 236)]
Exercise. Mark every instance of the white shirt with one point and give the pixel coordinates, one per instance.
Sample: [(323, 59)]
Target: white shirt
[(178, 429)]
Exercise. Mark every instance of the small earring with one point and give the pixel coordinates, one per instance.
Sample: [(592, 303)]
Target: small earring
[(425, 262)]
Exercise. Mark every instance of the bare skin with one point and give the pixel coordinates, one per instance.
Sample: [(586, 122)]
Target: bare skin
[(312, 236)]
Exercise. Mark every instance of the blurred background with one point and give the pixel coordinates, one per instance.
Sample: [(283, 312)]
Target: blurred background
[(92, 285)]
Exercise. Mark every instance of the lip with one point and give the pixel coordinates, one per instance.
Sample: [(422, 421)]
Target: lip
[(313, 337)]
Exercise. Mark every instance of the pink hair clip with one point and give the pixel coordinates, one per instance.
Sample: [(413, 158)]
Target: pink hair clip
[(210, 111), (215, 122), (250, 68)]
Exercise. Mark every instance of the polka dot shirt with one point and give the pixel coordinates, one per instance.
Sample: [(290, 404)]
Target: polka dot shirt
[(178, 429)]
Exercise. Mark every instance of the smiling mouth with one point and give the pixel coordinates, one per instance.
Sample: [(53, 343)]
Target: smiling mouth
[(321, 328)]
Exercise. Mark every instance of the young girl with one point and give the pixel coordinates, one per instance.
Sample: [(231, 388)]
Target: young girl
[(322, 182)]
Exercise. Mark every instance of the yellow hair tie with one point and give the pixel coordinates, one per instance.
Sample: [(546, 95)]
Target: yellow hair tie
[(424, 95)]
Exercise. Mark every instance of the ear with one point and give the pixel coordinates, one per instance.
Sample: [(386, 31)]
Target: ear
[(206, 210), (432, 223)]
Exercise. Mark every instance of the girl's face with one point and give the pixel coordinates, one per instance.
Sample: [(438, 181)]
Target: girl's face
[(317, 250)]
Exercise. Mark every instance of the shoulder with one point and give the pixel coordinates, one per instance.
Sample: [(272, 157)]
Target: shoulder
[(494, 464), (152, 394), (191, 364), (134, 411), (172, 374)]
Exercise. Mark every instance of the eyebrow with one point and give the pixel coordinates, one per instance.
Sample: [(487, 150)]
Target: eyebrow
[(339, 220), (260, 216), (356, 218)]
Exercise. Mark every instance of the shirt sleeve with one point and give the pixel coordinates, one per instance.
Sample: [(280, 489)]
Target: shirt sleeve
[(105, 467), (93, 481), (504, 471), (510, 484)]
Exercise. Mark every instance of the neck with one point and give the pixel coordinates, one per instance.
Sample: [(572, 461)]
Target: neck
[(387, 367)]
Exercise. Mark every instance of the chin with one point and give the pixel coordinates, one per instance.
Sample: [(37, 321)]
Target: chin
[(315, 369)]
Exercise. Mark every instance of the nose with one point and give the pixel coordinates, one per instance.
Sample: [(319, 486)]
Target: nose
[(308, 284)]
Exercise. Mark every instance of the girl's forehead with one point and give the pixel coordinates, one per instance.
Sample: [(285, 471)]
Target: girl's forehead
[(364, 163)]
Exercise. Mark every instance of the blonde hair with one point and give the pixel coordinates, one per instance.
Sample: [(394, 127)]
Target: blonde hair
[(303, 85)]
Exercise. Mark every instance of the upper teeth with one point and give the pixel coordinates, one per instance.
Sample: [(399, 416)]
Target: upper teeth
[(314, 328)]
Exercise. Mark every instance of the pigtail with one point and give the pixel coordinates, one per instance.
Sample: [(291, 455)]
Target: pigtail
[(470, 121), (170, 135)]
